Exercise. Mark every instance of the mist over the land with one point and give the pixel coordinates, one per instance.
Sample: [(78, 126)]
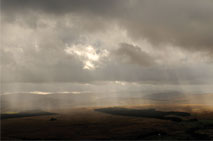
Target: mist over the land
[(19, 97)]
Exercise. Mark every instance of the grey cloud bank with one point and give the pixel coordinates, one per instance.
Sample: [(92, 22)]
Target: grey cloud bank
[(187, 24), (157, 42)]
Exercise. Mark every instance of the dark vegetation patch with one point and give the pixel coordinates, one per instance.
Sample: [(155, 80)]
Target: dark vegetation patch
[(147, 113), (26, 114), (198, 136), (52, 119), (192, 120)]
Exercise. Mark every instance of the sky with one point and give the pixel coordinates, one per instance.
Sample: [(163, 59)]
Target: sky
[(98, 45)]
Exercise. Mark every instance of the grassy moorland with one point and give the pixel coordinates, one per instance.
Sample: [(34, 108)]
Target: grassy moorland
[(126, 122)]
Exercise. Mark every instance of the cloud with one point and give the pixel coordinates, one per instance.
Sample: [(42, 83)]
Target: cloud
[(133, 54), (90, 56), (121, 41), (185, 24)]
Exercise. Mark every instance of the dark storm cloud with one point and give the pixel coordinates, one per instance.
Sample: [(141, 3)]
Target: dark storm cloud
[(60, 6), (187, 24), (133, 54)]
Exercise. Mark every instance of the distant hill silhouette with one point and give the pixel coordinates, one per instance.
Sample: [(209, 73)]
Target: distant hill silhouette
[(147, 113)]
